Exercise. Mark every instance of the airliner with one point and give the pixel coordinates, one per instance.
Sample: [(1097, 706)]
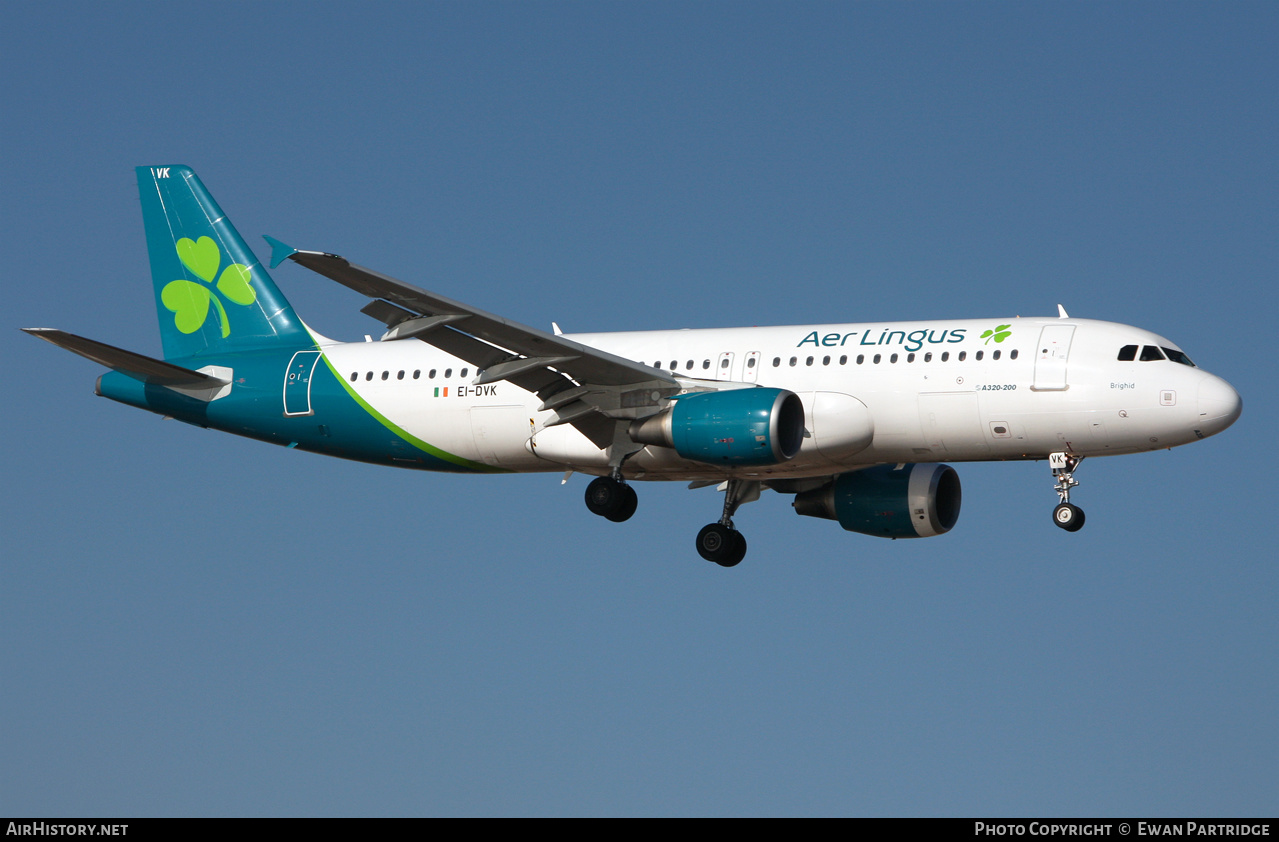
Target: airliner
[(854, 421)]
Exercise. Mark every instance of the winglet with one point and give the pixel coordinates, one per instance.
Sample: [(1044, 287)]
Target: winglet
[(1061, 311), (280, 252)]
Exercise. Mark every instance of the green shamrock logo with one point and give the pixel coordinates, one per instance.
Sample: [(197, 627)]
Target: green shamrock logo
[(999, 334), (189, 301)]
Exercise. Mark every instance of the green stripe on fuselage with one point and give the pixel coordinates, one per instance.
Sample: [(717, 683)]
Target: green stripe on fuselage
[(443, 455)]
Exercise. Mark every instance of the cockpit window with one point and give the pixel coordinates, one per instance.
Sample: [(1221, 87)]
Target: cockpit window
[(1128, 353), (1178, 357), (1150, 352)]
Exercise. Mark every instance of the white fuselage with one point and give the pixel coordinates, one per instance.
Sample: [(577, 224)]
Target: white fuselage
[(895, 392)]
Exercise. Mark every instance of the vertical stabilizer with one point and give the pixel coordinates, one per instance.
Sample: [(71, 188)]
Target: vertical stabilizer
[(211, 294)]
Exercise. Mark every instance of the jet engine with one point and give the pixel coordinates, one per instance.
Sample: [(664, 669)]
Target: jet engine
[(756, 426), (910, 501)]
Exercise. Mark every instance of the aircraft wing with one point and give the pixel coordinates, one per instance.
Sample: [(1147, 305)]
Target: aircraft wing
[(582, 384)]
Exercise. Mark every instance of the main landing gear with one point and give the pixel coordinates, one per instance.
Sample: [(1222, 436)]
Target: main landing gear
[(1068, 516), (721, 542), (610, 497)]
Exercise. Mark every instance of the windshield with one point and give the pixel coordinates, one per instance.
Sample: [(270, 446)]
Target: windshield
[(1150, 353)]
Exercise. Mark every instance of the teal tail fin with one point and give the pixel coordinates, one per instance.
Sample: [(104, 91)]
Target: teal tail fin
[(211, 293)]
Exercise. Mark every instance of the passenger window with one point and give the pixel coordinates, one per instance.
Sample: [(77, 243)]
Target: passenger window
[(979, 354), (689, 365), (750, 362), (400, 376), (808, 361), (963, 355), (448, 372), (843, 360), (706, 364), (910, 358), (945, 355), (463, 372), (417, 374), (1150, 353), (861, 358), (995, 355), (1013, 354), (777, 361), (928, 357), (723, 363), (355, 375), (825, 360), (430, 375), (386, 374), (793, 360), (876, 359), (1128, 353), (893, 358)]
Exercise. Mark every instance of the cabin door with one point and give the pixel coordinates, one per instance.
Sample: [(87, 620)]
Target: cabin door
[(1050, 359), (297, 383)]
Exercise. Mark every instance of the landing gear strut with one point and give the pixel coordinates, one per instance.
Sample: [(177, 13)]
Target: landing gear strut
[(610, 497), (1068, 516), (721, 542)]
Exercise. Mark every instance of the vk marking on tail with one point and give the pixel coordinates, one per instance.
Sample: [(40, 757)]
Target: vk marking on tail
[(212, 294)]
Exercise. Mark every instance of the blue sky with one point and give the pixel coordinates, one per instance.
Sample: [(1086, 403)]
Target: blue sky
[(199, 624)]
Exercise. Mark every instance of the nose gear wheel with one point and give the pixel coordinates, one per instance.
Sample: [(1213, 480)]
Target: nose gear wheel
[(1068, 516)]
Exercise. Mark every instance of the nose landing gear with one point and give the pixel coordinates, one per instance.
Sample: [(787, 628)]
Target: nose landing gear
[(1068, 516)]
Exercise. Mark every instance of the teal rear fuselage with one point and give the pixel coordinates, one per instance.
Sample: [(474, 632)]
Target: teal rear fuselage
[(326, 417)]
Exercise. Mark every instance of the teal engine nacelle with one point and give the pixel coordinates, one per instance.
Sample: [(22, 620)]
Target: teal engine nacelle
[(910, 501), (757, 426)]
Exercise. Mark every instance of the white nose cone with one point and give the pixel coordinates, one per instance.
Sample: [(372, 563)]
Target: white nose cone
[(1219, 405)]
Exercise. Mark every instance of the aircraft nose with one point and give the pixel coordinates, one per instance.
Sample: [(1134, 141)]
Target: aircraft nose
[(1219, 405)]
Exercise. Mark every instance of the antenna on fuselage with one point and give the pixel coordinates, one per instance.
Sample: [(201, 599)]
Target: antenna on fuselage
[(1061, 312)]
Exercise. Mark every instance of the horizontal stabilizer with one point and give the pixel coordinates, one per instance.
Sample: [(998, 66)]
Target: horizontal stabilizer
[(137, 366)]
